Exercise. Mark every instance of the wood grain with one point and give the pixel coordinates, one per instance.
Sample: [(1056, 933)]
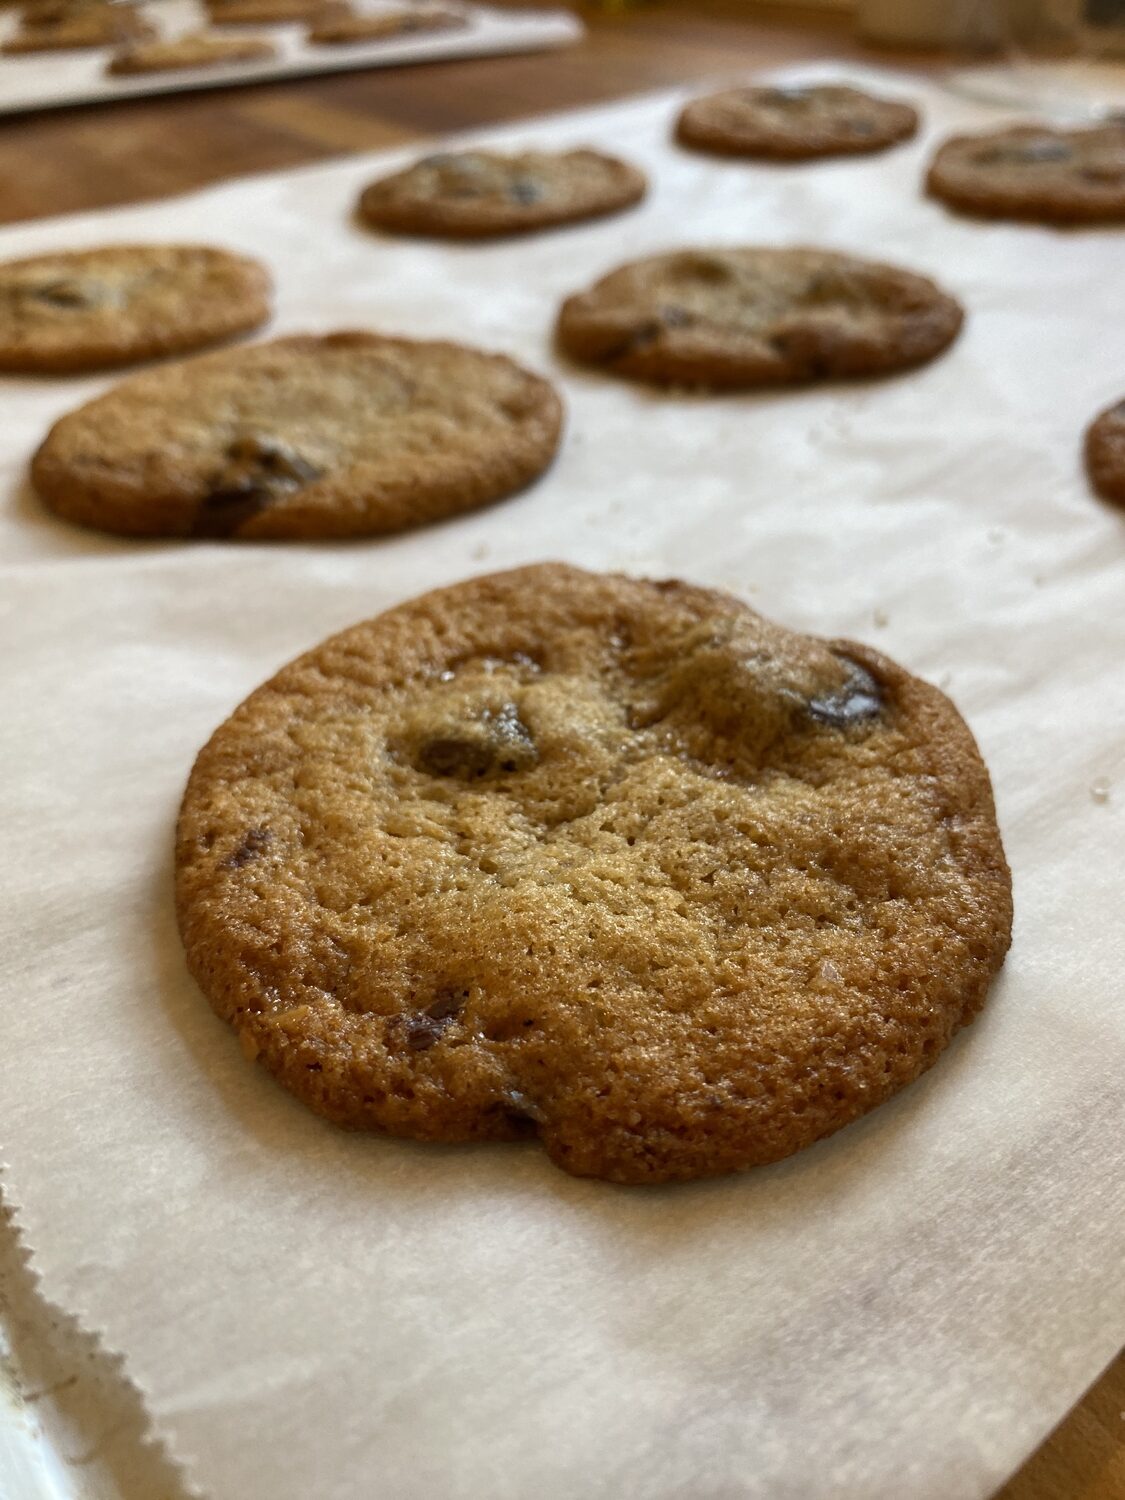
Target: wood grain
[(92, 157)]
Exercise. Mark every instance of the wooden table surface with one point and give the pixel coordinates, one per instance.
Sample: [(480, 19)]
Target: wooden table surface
[(91, 157)]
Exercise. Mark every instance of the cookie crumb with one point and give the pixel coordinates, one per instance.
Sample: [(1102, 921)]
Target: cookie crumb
[(1099, 789)]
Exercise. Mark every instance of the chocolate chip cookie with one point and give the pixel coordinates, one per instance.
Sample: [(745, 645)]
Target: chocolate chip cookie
[(349, 434), (471, 194), (198, 50), (340, 25), (89, 309), (794, 122), (260, 12), (614, 863), (1035, 172), (1105, 453), (727, 318), (74, 29)]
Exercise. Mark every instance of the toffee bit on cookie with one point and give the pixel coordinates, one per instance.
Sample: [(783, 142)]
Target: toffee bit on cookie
[(794, 122), (480, 193), (669, 943)]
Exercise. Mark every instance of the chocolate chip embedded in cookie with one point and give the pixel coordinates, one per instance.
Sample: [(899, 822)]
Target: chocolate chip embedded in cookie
[(1105, 453), (739, 318), (89, 309), (615, 863), (340, 25), (198, 50), (470, 194), (1035, 172), (350, 434), (794, 122), (73, 29)]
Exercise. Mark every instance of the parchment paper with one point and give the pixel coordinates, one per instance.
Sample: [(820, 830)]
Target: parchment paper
[(49, 80), (903, 1310)]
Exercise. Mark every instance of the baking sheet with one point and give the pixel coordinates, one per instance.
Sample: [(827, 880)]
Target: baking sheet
[(905, 1309), (47, 80)]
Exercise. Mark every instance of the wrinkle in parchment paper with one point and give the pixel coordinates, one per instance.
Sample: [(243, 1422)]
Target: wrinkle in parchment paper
[(906, 1308)]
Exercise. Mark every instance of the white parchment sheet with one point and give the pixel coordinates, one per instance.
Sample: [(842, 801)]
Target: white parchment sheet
[(904, 1310)]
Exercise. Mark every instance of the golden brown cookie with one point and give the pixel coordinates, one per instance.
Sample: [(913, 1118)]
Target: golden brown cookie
[(340, 25), (259, 12), (199, 50), (84, 26), (794, 122), (348, 434), (1105, 453), (728, 318), (1035, 172), (474, 194), (88, 309), (615, 863)]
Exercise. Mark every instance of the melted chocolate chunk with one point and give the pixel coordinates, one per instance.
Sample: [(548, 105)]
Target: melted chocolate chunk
[(525, 190), (449, 1003), (258, 472), (650, 330), (67, 293), (499, 741), (253, 842), (856, 700), (426, 1028)]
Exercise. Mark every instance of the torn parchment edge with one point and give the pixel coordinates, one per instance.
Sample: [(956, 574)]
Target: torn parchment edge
[(79, 1403)]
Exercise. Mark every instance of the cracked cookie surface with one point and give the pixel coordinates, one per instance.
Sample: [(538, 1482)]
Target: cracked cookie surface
[(92, 309), (728, 317), (794, 122), (1036, 172), (349, 434), (1105, 453), (470, 194), (615, 863)]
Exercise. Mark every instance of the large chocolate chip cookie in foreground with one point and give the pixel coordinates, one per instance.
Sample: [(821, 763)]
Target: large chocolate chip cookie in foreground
[(615, 863)]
